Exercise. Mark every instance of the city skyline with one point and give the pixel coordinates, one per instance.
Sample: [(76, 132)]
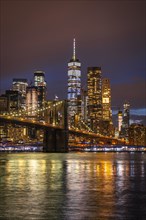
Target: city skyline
[(117, 44)]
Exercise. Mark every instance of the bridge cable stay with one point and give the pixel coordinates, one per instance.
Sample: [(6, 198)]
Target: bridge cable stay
[(24, 112)]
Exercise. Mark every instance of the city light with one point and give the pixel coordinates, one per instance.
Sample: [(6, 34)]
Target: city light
[(85, 117)]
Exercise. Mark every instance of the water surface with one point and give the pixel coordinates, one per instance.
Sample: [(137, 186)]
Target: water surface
[(73, 186)]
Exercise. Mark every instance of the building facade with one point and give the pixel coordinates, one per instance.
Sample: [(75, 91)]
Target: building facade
[(41, 85), (107, 127), (94, 91), (13, 100), (84, 105), (106, 100), (20, 85), (120, 119), (137, 134), (3, 103), (125, 121), (74, 87), (32, 101)]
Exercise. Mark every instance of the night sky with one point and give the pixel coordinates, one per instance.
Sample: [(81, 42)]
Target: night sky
[(38, 35)]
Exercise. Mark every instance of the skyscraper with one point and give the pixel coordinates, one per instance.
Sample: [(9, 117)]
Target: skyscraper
[(94, 98), (84, 105), (39, 78), (74, 87), (126, 119), (40, 84), (31, 100), (106, 99), (120, 119), (107, 127), (20, 85)]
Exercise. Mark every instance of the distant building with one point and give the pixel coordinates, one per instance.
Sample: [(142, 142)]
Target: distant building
[(39, 78), (106, 99), (137, 135), (120, 119), (84, 105), (107, 127), (74, 87), (20, 85), (13, 100), (126, 120), (32, 100), (94, 91), (3, 104), (40, 84)]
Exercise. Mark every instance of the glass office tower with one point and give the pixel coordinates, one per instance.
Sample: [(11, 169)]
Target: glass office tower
[(74, 87), (106, 99), (94, 90), (40, 84)]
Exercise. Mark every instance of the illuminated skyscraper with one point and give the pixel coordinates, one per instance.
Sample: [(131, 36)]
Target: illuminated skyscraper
[(84, 105), (137, 134), (40, 84), (39, 78), (94, 92), (20, 85), (106, 99), (107, 127), (31, 100), (74, 87), (120, 119)]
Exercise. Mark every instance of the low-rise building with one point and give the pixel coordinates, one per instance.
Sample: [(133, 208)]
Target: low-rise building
[(137, 134)]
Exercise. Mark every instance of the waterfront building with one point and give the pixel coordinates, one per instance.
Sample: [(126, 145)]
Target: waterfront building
[(3, 131), (13, 100), (16, 133), (32, 100), (94, 91), (137, 134), (74, 87), (20, 85), (3, 103)]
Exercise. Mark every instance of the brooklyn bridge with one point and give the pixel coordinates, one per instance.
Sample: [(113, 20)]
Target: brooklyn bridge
[(52, 121)]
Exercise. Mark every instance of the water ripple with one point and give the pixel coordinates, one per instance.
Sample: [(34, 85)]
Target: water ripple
[(73, 186)]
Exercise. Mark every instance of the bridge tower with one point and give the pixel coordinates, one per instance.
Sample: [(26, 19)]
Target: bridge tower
[(56, 140)]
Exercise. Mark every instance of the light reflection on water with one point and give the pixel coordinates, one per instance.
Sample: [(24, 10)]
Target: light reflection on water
[(73, 186)]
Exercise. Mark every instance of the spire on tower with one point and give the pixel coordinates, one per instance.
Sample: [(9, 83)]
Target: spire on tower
[(74, 49)]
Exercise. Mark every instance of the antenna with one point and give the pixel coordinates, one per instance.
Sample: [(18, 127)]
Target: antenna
[(74, 49)]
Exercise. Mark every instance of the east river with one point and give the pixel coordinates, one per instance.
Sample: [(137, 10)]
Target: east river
[(73, 186)]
